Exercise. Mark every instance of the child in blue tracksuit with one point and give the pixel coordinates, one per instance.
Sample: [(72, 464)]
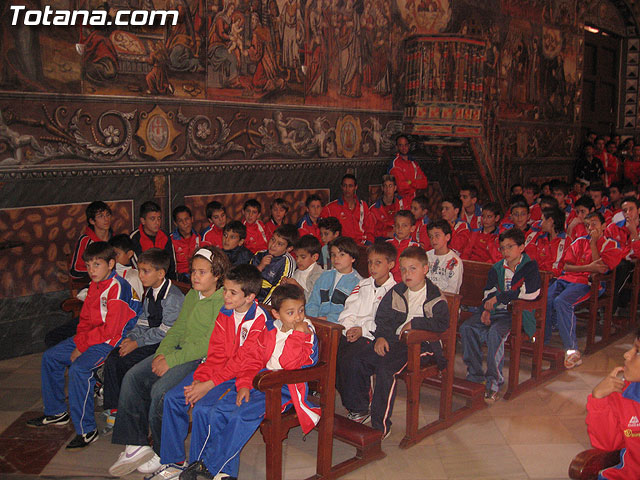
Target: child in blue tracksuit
[(276, 262), (334, 286), (287, 343), (108, 313)]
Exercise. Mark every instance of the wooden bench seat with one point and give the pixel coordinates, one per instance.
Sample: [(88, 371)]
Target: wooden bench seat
[(588, 463)]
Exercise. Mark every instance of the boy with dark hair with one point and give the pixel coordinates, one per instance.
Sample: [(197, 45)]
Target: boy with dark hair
[(531, 193), (307, 251), (330, 229), (98, 230), (334, 286), (516, 189), (288, 343), (108, 313), (404, 226), (149, 235), (615, 197), (445, 266), (409, 176), (420, 211), (471, 212), (516, 276), (517, 216), (217, 216), (598, 193), (550, 245), (545, 189), (185, 241), (414, 303), (123, 247), (591, 254), (385, 208), (460, 233), (560, 191), (308, 224), (358, 319), (256, 233), (162, 304), (483, 244), (279, 210), (233, 236), (232, 347), (583, 207), (276, 262)]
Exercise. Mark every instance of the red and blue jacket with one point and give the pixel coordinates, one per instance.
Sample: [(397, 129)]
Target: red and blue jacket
[(401, 246), (78, 268), (357, 223), (474, 221), (256, 236), (579, 253), (619, 232), (211, 235), (184, 249), (409, 176), (384, 216), (482, 247), (420, 235), (307, 227)]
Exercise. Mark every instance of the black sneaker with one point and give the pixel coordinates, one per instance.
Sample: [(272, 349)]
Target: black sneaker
[(196, 470), (44, 420), (81, 441), (359, 417)]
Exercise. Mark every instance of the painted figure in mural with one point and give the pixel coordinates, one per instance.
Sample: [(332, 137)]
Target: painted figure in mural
[(223, 64), (350, 48), (291, 33), (236, 38), (183, 42), (266, 77), (534, 72), (317, 74), (99, 56), (158, 79)]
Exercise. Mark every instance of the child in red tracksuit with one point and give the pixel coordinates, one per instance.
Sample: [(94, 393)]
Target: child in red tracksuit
[(256, 233), (385, 208), (217, 216), (551, 243), (613, 410), (185, 241), (403, 227), (483, 244)]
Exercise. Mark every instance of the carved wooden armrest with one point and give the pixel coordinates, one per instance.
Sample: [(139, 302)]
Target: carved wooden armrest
[(414, 336), (72, 305), (277, 378), (588, 463)]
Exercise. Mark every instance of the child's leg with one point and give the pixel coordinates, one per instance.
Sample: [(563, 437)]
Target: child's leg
[(474, 334), (497, 335), (175, 423), (357, 380), (555, 289), (564, 305), (384, 393), (81, 383), (54, 362), (348, 352), (115, 368)]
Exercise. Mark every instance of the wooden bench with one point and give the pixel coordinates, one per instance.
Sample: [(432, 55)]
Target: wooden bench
[(276, 425), (472, 290), (588, 463), (596, 303)]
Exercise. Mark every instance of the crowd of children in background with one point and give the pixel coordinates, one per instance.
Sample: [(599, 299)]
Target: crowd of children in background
[(153, 369)]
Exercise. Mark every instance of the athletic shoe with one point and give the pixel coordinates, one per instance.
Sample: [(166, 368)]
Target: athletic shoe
[(81, 441), (59, 419), (195, 471), (386, 435), (151, 466), (358, 417), (572, 358), (490, 397), (132, 457), (167, 472)]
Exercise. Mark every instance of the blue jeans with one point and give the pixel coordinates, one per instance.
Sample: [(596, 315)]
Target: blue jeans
[(474, 334), (562, 298), (141, 402)]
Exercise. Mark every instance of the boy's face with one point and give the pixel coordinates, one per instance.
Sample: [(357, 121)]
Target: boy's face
[(231, 240), (439, 240), (234, 297), (379, 267), (202, 279), (596, 196), (122, 257), (99, 269), (251, 214), (349, 188), (467, 200), (413, 273), (546, 190), (547, 224), (184, 221), (594, 227), (510, 250), (402, 228), (614, 194), (304, 259), (403, 146), (560, 197), (278, 245), (102, 220), (632, 363), (582, 212), (315, 208), (630, 212), (291, 311), (520, 217), (417, 210), (341, 261), (388, 189), (449, 213), (529, 195), (516, 191), (218, 218), (151, 222), (278, 212), (489, 219), (327, 235), (150, 276)]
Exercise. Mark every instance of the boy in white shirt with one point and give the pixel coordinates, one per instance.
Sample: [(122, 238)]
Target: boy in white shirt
[(445, 265), (307, 251)]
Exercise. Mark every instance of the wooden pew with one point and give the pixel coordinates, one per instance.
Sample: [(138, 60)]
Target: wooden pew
[(415, 375), (602, 302), (588, 463), (276, 425)]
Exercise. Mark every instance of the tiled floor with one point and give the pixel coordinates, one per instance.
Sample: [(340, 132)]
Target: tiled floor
[(534, 436)]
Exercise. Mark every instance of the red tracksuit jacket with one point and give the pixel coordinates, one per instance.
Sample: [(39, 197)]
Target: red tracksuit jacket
[(482, 247), (256, 236), (212, 236), (356, 223), (384, 216), (401, 246), (409, 177), (579, 253), (620, 233)]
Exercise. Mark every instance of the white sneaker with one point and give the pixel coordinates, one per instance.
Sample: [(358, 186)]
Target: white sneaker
[(167, 472), (151, 466), (132, 457)]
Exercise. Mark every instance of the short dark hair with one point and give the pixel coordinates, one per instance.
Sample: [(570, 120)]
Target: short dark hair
[(423, 201), (633, 200), (585, 201), (402, 135), (158, 258), (455, 201), (389, 178), (312, 198), (560, 185), (472, 189), (220, 263), (545, 184), (236, 226), (549, 200), (386, 249), (289, 232), (494, 208), (347, 245), (351, 176), (248, 277), (148, 207), (533, 186), (617, 185), (99, 250), (405, 214), (597, 187), (122, 241), (283, 203), (214, 206), (310, 244), (252, 202), (514, 186), (597, 215), (441, 224), (628, 189), (94, 208), (558, 217), (415, 253), (514, 234), (330, 223), (180, 209), (284, 292), (518, 200)]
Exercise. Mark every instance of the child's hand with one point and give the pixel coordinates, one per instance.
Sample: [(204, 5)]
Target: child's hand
[(353, 334), (127, 346), (302, 327), (243, 395), (75, 354), (197, 390), (290, 281), (265, 261), (598, 266), (489, 304), (159, 366), (381, 346), (609, 384), (486, 318)]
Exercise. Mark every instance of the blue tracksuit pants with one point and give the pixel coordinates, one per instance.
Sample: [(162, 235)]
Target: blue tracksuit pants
[(81, 382), (562, 298)]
